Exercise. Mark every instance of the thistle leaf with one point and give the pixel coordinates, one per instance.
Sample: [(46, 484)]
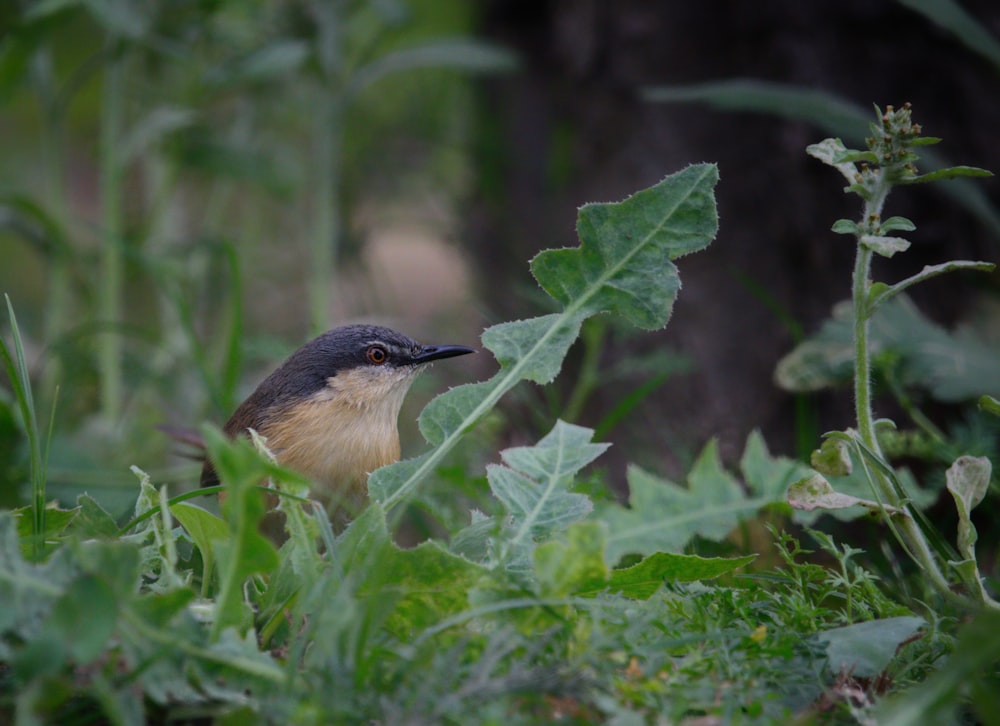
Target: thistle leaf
[(623, 265)]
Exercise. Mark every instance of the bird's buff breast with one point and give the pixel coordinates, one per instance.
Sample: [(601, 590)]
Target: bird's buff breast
[(339, 435)]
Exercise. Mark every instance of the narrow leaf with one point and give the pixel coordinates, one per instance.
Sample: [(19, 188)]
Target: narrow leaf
[(952, 172)]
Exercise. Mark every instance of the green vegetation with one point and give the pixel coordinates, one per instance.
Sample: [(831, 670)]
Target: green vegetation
[(535, 595), (544, 606)]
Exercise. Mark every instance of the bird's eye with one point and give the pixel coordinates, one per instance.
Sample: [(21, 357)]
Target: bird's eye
[(376, 355)]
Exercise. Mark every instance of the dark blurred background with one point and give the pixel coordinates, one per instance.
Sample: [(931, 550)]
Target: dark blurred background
[(197, 187)]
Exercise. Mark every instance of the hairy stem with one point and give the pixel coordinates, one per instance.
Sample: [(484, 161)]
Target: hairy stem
[(861, 289)]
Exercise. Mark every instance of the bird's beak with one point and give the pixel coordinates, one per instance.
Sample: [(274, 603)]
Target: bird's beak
[(437, 352)]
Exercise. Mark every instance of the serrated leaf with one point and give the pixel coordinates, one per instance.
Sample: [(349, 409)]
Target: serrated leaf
[(623, 265), (421, 585), (511, 343), (533, 487), (92, 520), (662, 515), (865, 649), (27, 591), (885, 246)]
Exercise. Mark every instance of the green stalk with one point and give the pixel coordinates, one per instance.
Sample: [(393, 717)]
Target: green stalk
[(112, 254), (327, 214), (861, 288), (53, 156)]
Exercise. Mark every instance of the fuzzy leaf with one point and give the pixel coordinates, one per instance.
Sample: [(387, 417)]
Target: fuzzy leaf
[(831, 152), (533, 486), (897, 223), (968, 479), (662, 515), (865, 649), (815, 492), (885, 246), (832, 458), (421, 586), (953, 366), (623, 265), (844, 226)]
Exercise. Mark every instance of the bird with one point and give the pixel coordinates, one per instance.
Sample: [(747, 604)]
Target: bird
[(330, 410)]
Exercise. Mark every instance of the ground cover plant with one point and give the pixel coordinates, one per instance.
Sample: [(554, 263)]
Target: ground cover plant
[(545, 603)]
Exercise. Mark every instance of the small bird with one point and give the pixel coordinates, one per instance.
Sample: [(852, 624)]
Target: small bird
[(330, 410)]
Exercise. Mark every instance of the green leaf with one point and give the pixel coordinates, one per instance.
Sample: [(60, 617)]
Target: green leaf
[(832, 152), (151, 128), (952, 172), (832, 114), (84, 618), (571, 564), (92, 520), (815, 492), (121, 17), (844, 226), (623, 265), (462, 54), (276, 60), (420, 586), (989, 404), (968, 479), (533, 486), (935, 699), (205, 529), (952, 366), (967, 30), (241, 468), (663, 516), (865, 649), (624, 262), (832, 458), (642, 580), (897, 223), (885, 246)]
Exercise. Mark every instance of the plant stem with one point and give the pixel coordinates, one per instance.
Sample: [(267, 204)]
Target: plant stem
[(861, 288), (53, 155), (326, 230), (112, 262)]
